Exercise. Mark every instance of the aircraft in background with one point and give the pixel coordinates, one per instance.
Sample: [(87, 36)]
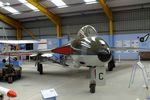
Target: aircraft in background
[(12, 45), (144, 38)]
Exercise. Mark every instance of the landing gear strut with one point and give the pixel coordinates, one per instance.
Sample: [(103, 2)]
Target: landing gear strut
[(92, 86), (40, 68), (111, 64), (39, 65), (10, 79), (93, 79)]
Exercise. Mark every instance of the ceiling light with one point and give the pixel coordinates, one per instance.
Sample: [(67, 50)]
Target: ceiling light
[(59, 3), (90, 1)]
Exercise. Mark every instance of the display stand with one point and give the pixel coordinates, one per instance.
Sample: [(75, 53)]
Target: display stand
[(144, 73), (144, 92)]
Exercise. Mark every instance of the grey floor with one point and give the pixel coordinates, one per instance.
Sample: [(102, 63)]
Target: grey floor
[(72, 84)]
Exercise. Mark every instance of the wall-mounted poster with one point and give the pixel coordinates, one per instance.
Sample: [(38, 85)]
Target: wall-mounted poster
[(126, 43), (135, 44), (119, 45)]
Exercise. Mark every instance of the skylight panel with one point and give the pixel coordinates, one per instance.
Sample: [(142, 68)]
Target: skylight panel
[(90, 1), (7, 7), (1, 4), (31, 6), (10, 9), (28, 5), (22, 1), (59, 3)]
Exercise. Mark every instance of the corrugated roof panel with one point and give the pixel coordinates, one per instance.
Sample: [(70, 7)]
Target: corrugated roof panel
[(27, 15)]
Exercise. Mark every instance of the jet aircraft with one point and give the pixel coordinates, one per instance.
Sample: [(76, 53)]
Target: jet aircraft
[(86, 49)]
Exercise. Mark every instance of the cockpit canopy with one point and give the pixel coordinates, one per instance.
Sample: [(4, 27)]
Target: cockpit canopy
[(86, 31)]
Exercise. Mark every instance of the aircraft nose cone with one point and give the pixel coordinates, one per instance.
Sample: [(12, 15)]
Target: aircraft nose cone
[(11, 94), (104, 55)]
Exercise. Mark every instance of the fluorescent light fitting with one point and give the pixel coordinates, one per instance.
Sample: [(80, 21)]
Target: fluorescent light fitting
[(59, 3), (10, 9), (90, 1)]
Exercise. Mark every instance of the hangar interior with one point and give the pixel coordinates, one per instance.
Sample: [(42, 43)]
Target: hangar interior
[(120, 23)]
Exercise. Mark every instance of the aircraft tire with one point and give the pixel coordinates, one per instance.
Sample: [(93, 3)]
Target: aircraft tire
[(111, 65), (38, 67), (10, 79), (19, 75), (92, 88), (41, 68), (110, 68)]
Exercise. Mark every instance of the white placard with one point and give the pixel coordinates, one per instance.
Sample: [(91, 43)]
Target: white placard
[(49, 93)]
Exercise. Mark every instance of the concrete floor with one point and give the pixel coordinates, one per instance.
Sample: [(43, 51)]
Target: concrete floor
[(71, 84)]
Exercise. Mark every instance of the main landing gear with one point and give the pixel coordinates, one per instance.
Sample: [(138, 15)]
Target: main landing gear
[(111, 64), (92, 86), (40, 68)]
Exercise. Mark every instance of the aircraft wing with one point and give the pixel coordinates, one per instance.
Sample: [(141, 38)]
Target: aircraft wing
[(18, 41), (127, 48), (46, 51), (24, 52)]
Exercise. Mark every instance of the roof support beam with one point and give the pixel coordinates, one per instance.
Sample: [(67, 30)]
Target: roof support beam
[(109, 15), (55, 19), (15, 24), (19, 34)]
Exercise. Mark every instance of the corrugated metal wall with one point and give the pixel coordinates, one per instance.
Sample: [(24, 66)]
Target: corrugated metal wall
[(10, 32), (132, 21)]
